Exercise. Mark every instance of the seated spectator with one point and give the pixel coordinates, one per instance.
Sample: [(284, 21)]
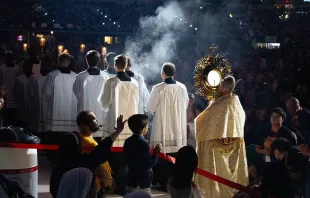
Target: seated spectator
[(103, 172), (77, 183), (277, 181), (283, 151), (138, 156), (181, 184), (70, 154), (265, 138)]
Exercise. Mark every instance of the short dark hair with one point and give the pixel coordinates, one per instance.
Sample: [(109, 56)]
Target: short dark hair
[(110, 59), (229, 83), (128, 62), (64, 57), (279, 111), (281, 144), (82, 118), (93, 58), (169, 69), (137, 122), (120, 61)]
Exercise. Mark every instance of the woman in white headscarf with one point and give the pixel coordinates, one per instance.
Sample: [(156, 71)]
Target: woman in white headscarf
[(77, 183)]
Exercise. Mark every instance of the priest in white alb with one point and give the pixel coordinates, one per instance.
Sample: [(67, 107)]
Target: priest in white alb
[(37, 106), (119, 96), (168, 103), (143, 92), (87, 87), (61, 101), (21, 95), (221, 148)]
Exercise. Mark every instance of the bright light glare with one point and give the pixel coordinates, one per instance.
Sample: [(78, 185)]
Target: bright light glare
[(214, 78), (230, 15), (105, 16), (196, 28), (191, 26), (200, 7), (286, 16), (52, 32)]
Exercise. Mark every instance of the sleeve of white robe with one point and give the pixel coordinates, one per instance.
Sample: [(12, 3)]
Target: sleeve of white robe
[(153, 101), (48, 87), (106, 96)]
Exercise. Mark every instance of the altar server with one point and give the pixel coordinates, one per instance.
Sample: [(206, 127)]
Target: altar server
[(87, 87)]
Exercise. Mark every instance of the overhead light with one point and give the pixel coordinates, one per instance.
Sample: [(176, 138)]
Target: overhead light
[(52, 32), (185, 21), (230, 15), (114, 23), (45, 13), (196, 29), (53, 20), (190, 25), (181, 19), (286, 16), (200, 7), (103, 23), (105, 16), (101, 12)]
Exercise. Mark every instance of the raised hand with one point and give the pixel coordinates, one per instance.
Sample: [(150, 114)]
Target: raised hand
[(157, 148), (120, 124)]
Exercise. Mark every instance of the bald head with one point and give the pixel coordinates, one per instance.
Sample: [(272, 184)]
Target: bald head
[(228, 84), (292, 106)]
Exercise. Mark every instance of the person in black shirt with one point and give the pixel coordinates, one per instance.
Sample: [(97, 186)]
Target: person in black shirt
[(138, 156), (299, 120), (70, 151)]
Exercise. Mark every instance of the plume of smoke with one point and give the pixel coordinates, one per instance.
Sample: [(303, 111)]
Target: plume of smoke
[(173, 28), (156, 41)]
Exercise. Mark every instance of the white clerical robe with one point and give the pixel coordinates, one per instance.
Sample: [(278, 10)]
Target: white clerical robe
[(168, 104), (7, 78), (57, 91), (143, 93), (36, 104), (119, 98), (87, 89), (20, 94)]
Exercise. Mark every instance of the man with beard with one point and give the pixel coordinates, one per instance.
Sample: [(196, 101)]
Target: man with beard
[(71, 153), (221, 148)]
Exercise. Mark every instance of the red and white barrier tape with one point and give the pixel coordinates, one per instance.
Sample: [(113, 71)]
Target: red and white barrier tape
[(161, 155)]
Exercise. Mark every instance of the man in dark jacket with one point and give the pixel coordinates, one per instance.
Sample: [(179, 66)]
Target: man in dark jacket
[(70, 151)]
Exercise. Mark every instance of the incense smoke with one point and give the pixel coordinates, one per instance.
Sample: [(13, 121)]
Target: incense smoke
[(171, 35)]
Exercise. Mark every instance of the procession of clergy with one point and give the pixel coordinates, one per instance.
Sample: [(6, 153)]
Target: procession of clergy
[(53, 102)]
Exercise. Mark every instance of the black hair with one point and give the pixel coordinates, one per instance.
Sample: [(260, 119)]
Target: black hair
[(184, 168), (169, 69), (137, 122), (280, 112), (120, 61), (82, 118), (64, 57), (128, 62), (281, 144), (110, 59), (93, 58)]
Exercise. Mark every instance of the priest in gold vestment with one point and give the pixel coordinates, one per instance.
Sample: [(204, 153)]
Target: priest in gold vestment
[(221, 148)]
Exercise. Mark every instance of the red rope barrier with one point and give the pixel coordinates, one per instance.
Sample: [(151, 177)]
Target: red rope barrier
[(160, 155)]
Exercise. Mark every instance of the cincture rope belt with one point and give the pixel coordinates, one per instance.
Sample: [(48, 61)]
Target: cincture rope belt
[(161, 155)]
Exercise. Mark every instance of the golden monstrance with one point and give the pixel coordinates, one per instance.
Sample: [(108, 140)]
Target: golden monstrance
[(209, 72)]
